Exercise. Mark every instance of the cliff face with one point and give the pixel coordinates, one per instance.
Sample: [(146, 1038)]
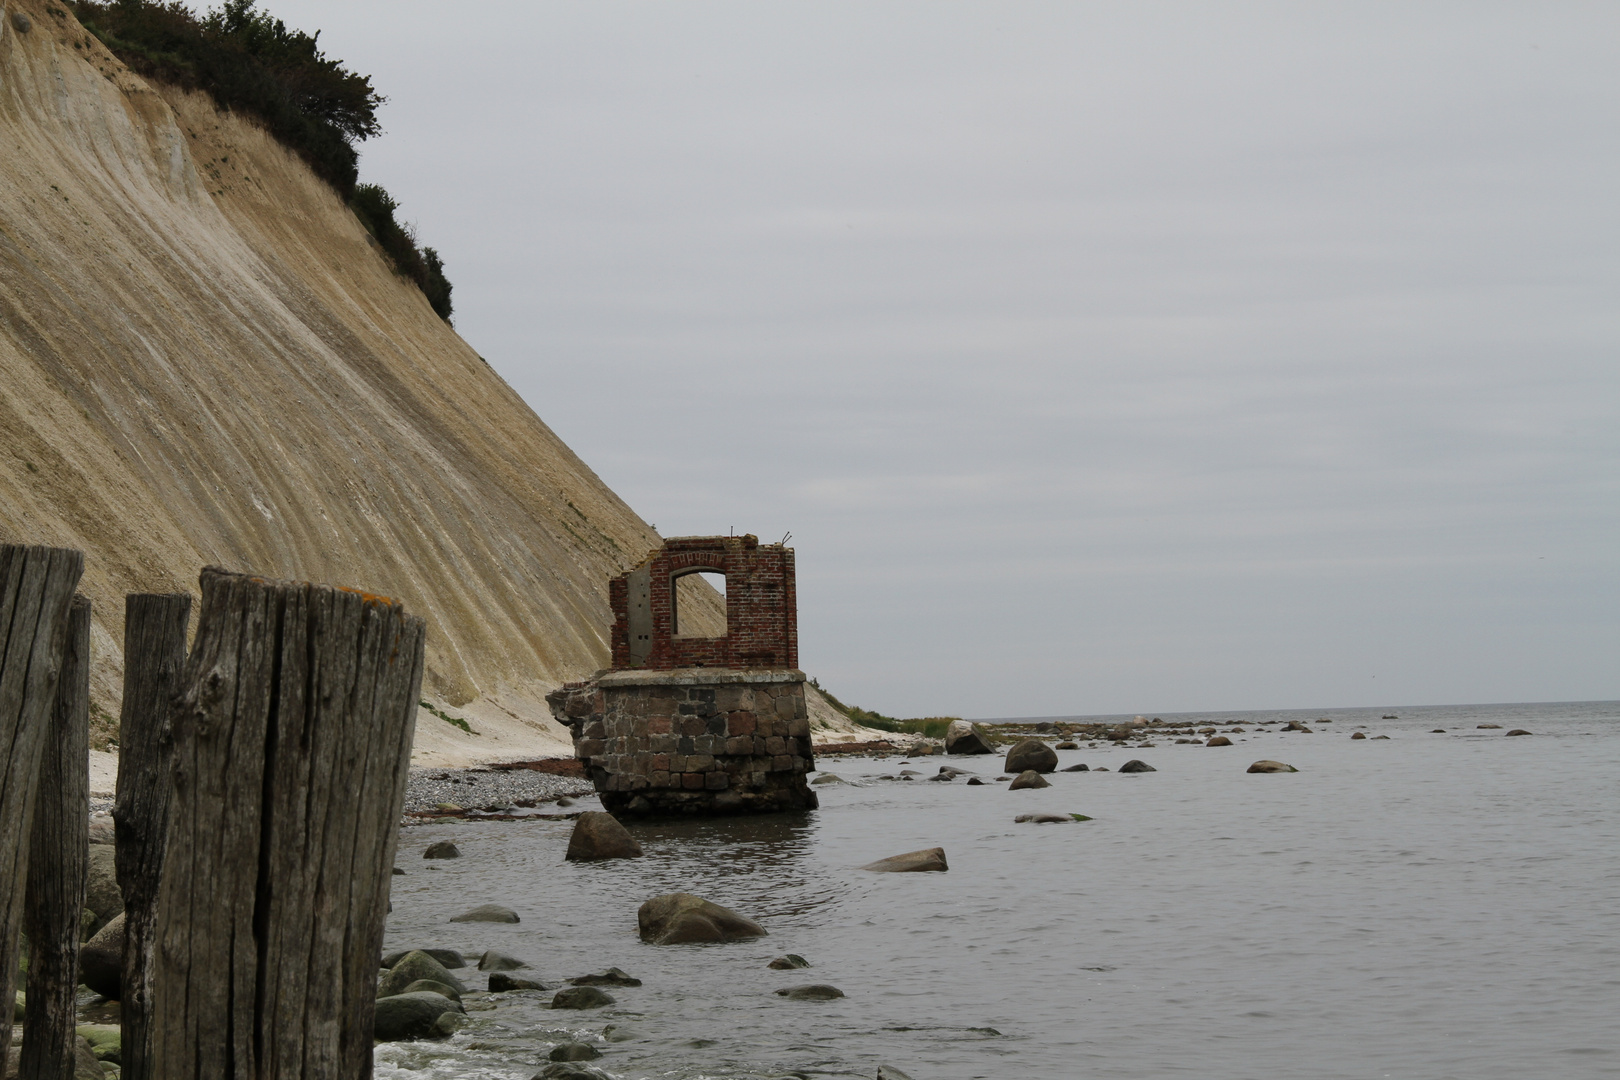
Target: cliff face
[(205, 359)]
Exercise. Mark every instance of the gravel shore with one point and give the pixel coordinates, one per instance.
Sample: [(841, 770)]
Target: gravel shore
[(488, 789)]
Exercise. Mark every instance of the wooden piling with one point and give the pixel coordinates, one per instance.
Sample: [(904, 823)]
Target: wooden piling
[(154, 658), (292, 741), (57, 863), (36, 591)]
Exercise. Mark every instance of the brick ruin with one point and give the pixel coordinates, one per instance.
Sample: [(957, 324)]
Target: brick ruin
[(682, 724)]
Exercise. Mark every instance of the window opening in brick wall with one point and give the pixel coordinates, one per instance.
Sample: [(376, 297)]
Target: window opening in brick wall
[(698, 604)]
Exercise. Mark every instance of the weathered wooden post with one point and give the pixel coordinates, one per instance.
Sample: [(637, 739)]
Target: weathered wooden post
[(36, 589), (154, 657), (57, 863), (292, 742)]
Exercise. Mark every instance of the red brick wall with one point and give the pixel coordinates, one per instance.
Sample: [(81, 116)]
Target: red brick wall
[(761, 606)]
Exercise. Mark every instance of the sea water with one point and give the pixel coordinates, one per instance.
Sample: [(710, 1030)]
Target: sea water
[(1431, 905)]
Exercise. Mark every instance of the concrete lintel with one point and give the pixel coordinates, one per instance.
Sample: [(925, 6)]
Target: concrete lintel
[(702, 676)]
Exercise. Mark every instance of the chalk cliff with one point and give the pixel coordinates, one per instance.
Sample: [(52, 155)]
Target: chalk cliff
[(205, 359)]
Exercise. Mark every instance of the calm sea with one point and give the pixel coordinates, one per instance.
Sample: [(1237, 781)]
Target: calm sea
[(1430, 906)]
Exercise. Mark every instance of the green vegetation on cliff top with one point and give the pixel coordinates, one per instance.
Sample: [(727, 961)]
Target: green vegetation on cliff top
[(252, 63)]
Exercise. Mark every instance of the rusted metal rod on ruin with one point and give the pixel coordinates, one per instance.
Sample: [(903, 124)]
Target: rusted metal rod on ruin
[(57, 864), (154, 657), (36, 593), (292, 738)]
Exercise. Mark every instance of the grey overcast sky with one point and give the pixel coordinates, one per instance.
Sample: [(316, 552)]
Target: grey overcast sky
[(1100, 357)]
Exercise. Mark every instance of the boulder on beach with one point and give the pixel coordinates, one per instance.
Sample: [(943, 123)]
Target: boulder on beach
[(1136, 765), (1520, 731), (1029, 778), (448, 957), (101, 960), (788, 961), (444, 849), (495, 960), (812, 992), (411, 1016), (911, 862), (487, 913), (500, 982), (1031, 755), (598, 835), (101, 892), (611, 977), (1082, 767), (581, 997), (1067, 746), (415, 967), (574, 1051), (1219, 740), (1268, 766), (963, 738), (106, 1041), (681, 918)]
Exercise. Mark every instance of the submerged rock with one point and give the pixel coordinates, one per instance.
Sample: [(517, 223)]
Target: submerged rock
[(1029, 778), (1520, 731), (488, 913), (963, 738), (581, 997), (1082, 767), (1483, 726), (611, 977), (599, 835), (414, 967), (788, 961), (493, 960), (568, 1070), (1031, 755), (1048, 819), (1136, 765), (574, 1051), (828, 778), (681, 918), (813, 992), (1359, 735), (1268, 766), (448, 957), (500, 982), (911, 862), (444, 849), (974, 781), (411, 1016), (433, 986)]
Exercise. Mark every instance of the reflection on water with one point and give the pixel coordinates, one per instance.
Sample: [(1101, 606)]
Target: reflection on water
[(1426, 906)]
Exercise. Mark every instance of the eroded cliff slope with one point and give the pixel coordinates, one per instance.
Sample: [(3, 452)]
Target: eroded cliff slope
[(204, 359)]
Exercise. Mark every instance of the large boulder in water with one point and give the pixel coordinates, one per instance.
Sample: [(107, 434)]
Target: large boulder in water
[(911, 862), (1137, 765), (101, 960), (963, 738), (681, 918), (412, 1016), (1031, 755), (448, 957), (1029, 778), (414, 967), (598, 835), (487, 913), (1268, 766), (581, 997)]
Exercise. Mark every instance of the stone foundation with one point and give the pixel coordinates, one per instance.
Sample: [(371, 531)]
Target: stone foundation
[(692, 741)]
